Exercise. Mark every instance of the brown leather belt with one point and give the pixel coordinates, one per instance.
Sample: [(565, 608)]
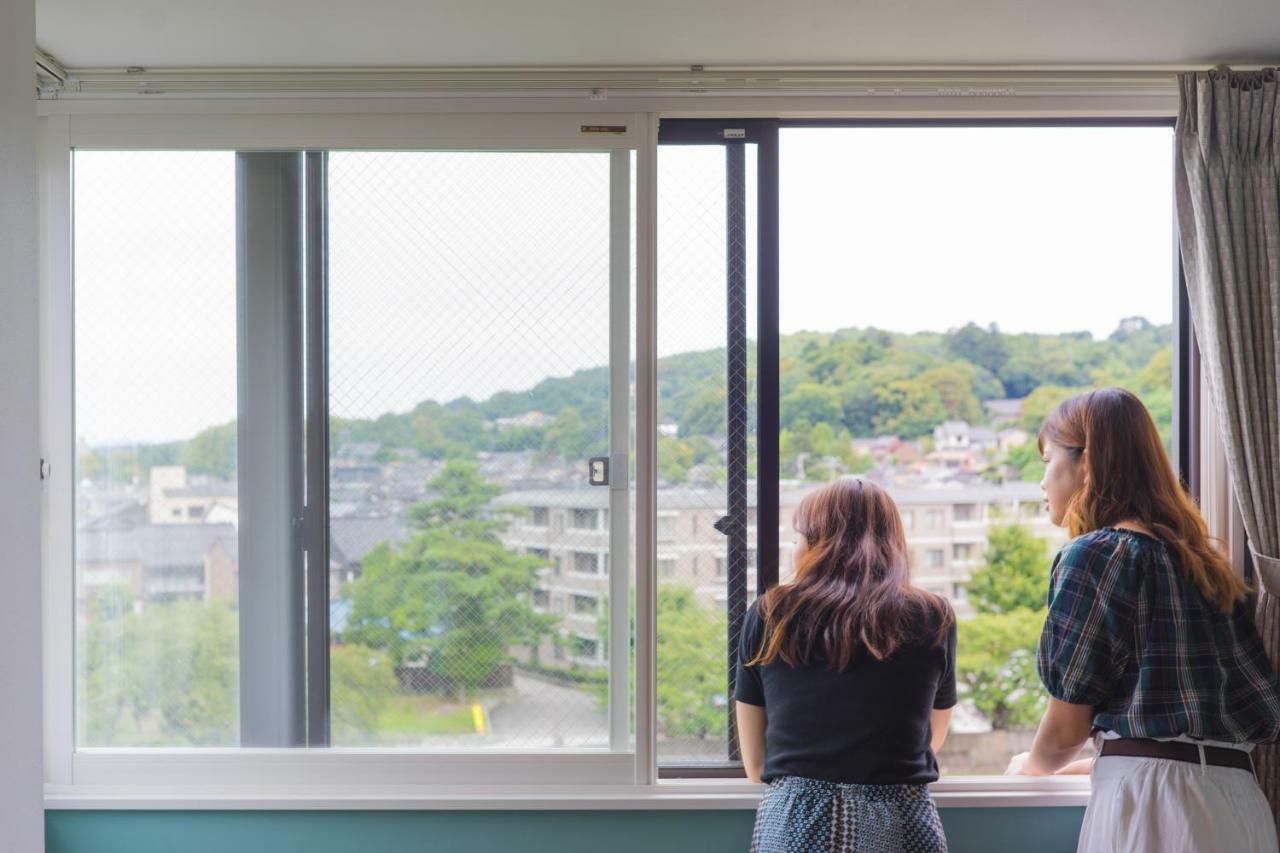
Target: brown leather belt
[(1176, 750)]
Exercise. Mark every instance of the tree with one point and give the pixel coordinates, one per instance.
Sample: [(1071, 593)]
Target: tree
[(453, 596), (675, 458), (692, 678), (162, 676), (813, 403), (996, 661), (984, 347), (1040, 403), (704, 414), (571, 437), (363, 682), (693, 683), (955, 385), (909, 408), (1026, 460), (212, 451), (1014, 574)]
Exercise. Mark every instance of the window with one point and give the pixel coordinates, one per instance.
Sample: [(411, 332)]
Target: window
[(947, 425), (999, 360), (586, 648), (308, 284), (147, 436), (586, 563), (758, 411), (584, 519), (706, 270)]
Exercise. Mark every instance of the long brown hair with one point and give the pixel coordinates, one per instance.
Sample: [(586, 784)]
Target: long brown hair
[(1128, 477), (852, 593)]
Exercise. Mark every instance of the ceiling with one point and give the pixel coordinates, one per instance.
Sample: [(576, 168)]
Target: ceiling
[(419, 33)]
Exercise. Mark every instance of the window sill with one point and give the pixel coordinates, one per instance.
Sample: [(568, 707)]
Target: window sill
[(958, 792)]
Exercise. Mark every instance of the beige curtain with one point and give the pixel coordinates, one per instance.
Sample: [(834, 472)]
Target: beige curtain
[(1228, 203)]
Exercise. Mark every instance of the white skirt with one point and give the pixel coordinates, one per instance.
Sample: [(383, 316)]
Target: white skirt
[(1157, 805)]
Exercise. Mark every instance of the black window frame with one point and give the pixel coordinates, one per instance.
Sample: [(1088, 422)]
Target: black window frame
[(733, 134)]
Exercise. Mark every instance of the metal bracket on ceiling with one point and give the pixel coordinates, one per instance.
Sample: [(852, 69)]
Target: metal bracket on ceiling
[(52, 76)]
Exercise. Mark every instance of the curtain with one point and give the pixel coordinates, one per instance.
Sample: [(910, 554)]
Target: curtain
[(1227, 174)]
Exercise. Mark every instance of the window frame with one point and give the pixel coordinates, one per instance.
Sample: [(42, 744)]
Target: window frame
[(730, 132), (393, 779), (73, 768)]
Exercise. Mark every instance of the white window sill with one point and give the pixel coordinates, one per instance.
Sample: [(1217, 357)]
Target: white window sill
[(957, 792)]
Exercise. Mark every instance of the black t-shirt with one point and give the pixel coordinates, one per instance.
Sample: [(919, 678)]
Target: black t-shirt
[(866, 725)]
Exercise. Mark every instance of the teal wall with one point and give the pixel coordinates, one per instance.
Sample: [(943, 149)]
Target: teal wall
[(1036, 830)]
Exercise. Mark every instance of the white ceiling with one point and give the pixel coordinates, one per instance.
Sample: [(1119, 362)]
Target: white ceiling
[(298, 33)]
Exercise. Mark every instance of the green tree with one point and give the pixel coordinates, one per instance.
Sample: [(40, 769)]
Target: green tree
[(571, 437), (212, 451), (955, 385), (453, 596), (162, 676), (996, 659), (1026, 460), (704, 414), (675, 458), (909, 408), (1040, 403), (985, 348), (363, 682), (691, 666), (813, 403), (693, 684), (1014, 573), (996, 662)]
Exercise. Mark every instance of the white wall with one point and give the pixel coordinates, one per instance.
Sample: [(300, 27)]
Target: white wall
[(21, 773)]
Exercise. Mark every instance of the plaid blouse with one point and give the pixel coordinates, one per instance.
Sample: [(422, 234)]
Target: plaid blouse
[(1129, 634)]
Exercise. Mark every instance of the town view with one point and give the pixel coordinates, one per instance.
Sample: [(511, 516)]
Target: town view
[(469, 559)]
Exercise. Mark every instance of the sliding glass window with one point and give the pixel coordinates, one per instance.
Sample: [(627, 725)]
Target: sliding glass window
[(939, 289), (353, 449)]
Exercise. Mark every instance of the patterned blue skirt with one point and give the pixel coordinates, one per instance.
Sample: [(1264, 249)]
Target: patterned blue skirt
[(799, 815)]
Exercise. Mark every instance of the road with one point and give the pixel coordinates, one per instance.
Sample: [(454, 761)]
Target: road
[(544, 714)]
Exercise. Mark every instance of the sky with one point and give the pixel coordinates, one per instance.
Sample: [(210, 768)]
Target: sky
[(470, 273)]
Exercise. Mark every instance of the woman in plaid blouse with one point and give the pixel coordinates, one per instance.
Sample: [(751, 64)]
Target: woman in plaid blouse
[(1150, 642)]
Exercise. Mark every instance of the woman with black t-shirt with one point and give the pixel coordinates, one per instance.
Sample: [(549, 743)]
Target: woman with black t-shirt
[(845, 684)]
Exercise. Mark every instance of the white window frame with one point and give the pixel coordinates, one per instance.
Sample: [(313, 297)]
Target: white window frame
[(394, 779)]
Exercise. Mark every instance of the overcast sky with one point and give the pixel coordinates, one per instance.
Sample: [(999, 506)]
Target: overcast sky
[(457, 274)]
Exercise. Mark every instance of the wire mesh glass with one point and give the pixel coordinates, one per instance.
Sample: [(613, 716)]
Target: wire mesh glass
[(157, 657), (469, 350), (695, 411)]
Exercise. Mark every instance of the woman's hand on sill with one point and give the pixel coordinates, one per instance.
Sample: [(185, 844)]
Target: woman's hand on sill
[(1019, 766)]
